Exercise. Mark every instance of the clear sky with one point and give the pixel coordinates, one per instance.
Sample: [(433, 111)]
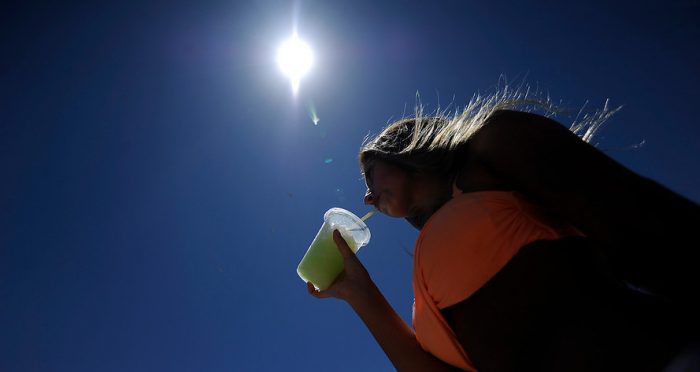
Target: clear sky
[(159, 182)]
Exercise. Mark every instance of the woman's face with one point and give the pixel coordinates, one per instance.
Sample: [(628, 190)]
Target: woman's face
[(390, 188), (398, 193)]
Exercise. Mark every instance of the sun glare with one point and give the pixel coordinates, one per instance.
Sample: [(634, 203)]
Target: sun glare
[(294, 58)]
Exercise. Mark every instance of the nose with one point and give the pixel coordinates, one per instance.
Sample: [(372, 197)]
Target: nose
[(369, 198)]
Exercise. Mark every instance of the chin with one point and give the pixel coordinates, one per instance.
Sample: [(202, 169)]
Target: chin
[(386, 212), (394, 213)]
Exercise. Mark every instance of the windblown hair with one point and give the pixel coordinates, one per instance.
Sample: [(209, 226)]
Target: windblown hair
[(433, 143)]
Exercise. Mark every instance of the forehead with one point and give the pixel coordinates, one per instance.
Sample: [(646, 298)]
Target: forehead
[(367, 167), (370, 165), (380, 166)]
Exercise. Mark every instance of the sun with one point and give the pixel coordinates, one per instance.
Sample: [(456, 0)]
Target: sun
[(294, 58)]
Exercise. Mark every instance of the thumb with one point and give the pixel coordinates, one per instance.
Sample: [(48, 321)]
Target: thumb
[(343, 246)]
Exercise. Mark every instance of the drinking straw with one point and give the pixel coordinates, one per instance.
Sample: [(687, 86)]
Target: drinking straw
[(369, 214)]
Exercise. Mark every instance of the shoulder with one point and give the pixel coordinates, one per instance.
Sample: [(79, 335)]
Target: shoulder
[(469, 240), (465, 214), (453, 226)]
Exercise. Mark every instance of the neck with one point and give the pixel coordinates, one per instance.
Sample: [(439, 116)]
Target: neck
[(432, 193)]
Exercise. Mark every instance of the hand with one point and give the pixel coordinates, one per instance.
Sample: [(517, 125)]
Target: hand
[(353, 282)]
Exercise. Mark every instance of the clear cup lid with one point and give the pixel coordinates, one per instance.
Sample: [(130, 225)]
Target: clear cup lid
[(348, 223)]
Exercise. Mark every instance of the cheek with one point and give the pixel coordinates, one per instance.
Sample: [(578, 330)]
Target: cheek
[(399, 201), (403, 207)]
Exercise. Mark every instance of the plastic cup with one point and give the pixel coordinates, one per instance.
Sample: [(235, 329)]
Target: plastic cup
[(322, 262)]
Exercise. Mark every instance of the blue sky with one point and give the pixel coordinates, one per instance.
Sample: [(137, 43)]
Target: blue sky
[(160, 183)]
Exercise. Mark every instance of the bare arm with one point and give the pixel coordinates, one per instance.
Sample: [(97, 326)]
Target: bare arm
[(393, 335), (643, 224)]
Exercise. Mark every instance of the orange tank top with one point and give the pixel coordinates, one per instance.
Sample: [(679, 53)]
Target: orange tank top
[(463, 245)]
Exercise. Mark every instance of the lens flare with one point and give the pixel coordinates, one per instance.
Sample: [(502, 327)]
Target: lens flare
[(312, 113)]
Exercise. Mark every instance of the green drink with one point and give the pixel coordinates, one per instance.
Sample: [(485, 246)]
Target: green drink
[(322, 262)]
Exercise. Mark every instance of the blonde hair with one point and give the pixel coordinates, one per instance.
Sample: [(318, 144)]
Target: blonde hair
[(432, 143)]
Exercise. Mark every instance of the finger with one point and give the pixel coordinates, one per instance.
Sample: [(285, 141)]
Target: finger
[(312, 290), (343, 246), (316, 293)]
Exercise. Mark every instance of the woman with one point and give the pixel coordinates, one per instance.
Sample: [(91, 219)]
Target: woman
[(536, 252)]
